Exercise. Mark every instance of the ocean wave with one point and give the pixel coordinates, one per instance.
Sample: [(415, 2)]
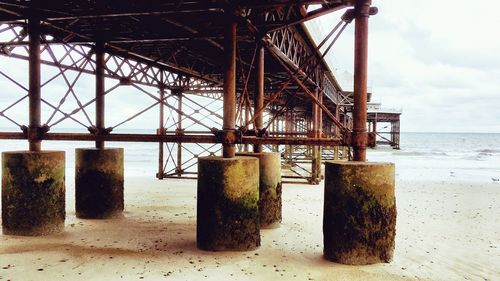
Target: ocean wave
[(477, 157), (420, 153), (488, 151)]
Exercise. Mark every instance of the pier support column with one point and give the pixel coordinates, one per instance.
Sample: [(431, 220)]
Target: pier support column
[(316, 150), (99, 182), (269, 188), (228, 186), (259, 96), (99, 174), (229, 99), (359, 216), (179, 131), (227, 204), (161, 128), (360, 136), (33, 192)]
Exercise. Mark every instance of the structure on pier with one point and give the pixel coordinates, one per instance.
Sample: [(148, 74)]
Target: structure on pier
[(225, 76), (385, 123)]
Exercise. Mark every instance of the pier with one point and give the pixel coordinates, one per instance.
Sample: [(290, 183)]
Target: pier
[(241, 81)]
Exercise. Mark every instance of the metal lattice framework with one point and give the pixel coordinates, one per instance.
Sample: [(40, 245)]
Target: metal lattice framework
[(166, 52)]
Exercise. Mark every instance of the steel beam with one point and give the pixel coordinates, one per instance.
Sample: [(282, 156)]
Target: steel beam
[(178, 168), (316, 152), (99, 91), (259, 94), (34, 85), (175, 138), (161, 129), (360, 137), (229, 120)]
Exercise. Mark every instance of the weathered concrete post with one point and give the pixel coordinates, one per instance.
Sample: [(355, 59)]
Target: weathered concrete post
[(227, 204), (359, 216), (359, 212), (270, 185), (99, 172), (33, 190), (228, 187), (99, 181)]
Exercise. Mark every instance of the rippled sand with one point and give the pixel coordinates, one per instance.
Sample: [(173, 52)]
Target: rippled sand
[(445, 231)]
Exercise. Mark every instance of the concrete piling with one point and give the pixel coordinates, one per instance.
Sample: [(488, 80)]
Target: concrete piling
[(269, 188), (33, 192), (359, 219), (99, 182), (227, 207)]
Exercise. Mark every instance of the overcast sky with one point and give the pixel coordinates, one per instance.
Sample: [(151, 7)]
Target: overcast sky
[(439, 61)]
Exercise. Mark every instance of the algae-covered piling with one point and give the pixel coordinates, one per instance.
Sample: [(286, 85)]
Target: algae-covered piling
[(269, 187), (33, 192), (359, 220), (227, 207), (99, 182)]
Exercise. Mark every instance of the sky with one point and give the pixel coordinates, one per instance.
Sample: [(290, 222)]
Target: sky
[(438, 61)]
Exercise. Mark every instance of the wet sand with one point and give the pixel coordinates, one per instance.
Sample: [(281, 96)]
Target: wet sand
[(445, 231)]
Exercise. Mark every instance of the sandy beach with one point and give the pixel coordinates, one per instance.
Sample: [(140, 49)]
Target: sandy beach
[(445, 231)]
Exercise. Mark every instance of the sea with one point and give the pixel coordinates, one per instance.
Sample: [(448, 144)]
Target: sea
[(469, 157), (463, 157)]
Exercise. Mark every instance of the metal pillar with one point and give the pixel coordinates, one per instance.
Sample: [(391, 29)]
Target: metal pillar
[(259, 95), (178, 169), (360, 136), (288, 129), (336, 133), (309, 130), (320, 115), (99, 91), (161, 130), (247, 119), (319, 134), (316, 150), (229, 118), (34, 85)]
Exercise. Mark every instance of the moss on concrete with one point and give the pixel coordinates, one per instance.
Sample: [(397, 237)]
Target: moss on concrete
[(33, 192), (359, 220), (99, 179), (227, 204), (270, 186)]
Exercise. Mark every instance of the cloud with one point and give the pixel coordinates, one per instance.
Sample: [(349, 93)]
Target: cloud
[(437, 60)]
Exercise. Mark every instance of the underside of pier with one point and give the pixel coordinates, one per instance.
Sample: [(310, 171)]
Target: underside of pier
[(220, 74)]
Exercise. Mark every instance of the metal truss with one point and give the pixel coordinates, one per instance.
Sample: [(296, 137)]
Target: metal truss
[(186, 87)]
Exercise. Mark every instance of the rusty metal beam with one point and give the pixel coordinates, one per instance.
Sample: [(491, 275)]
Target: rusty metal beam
[(130, 138), (161, 129), (229, 120), (292, 141), (35, 112), (360, 136), (305, 88), (259, 93), (179, 132), (154, 138), (99, 91), (309, 16)]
